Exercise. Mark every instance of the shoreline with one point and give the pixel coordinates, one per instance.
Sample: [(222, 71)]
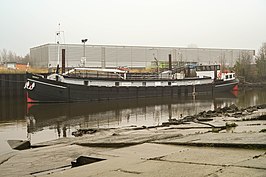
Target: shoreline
[(252, 85), (226, 130)]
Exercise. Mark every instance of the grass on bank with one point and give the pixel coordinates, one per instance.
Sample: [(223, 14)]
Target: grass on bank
[(4, 70)]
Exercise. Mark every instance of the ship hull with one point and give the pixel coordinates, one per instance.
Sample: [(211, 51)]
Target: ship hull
[(40, 89), (225, 86)]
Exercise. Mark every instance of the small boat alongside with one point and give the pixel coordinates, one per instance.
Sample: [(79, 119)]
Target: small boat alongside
[(88, 84)]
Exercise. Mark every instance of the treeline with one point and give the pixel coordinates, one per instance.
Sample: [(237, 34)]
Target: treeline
[(248, 71), (10, 56)]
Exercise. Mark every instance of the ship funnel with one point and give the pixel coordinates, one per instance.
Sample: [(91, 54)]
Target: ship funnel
[(63, 60), (170, 62)]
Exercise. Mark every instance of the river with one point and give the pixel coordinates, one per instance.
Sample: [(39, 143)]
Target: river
[(43, 122)]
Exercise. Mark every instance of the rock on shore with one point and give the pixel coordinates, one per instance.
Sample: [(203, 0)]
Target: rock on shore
[(221, 142)]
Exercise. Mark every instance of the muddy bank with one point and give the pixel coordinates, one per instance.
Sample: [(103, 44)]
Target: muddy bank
[(121, 150), (216, 120)]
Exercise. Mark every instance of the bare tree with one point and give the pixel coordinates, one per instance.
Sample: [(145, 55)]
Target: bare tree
[(4, 55), (25, 59), (243, 66), (11, 56), (261, 62)]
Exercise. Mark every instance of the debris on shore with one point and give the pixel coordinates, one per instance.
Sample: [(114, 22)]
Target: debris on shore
[(81, 132), (19, 144), (180, 142), (227, 111), (215, 120)]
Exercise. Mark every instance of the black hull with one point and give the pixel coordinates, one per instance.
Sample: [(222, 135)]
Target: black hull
[(225, 86), (53, 91)]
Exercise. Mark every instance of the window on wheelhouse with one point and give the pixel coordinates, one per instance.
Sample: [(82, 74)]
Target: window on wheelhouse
[(116, 83), (143, 83), (207, 68), (86, 82)]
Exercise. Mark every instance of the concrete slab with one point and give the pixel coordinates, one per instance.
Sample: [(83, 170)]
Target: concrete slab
[(154, 151), (240, 140), (33, 161), (166, 160), (238, 171)]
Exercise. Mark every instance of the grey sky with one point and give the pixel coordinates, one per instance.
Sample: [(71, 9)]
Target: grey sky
[(206, 23)]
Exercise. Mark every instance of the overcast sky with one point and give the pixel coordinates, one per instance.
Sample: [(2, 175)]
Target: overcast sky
[(206, 23)]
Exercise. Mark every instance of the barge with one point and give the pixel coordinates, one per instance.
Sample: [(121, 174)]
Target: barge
[(89, 84)]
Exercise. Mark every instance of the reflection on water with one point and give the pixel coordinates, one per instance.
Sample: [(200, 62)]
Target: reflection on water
[(41, 122)]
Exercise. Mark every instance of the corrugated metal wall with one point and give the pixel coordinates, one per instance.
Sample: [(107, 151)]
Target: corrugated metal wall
[(39, 56), (130, 56)]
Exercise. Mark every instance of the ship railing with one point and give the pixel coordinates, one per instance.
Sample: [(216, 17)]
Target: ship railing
[(129, 76), (96, 75), (146, 76)]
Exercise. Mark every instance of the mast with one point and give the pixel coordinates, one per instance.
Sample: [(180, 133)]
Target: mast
[(58, 42)]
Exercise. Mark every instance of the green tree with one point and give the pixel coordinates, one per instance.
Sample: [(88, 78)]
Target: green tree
[(261, 62)]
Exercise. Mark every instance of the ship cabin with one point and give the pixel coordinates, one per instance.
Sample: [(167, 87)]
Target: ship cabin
[(214, 71)]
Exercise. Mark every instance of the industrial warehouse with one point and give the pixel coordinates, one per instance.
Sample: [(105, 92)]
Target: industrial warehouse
[(113, 56)]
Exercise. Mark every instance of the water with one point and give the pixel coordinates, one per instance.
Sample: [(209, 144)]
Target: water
[(43, 122)]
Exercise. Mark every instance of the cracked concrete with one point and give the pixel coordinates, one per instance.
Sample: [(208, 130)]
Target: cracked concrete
[(167, 160), (189, 149), (5, 159)]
